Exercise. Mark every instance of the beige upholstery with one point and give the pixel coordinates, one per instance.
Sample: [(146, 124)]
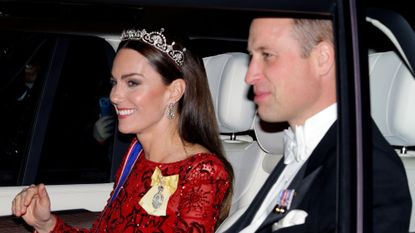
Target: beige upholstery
[(270, 139), (393, 98), (235, 114), (226, 74), (392, 89)]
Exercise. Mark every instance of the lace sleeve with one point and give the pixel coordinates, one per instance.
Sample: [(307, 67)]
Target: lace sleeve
[(205, 187), (62, 227)]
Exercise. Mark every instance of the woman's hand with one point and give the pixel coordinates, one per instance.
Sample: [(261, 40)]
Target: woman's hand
[(33, 205)]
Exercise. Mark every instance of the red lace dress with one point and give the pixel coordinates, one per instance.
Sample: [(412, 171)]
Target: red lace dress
[(193, 207)]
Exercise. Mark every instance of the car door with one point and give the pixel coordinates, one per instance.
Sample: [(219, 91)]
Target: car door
[(51, 124)]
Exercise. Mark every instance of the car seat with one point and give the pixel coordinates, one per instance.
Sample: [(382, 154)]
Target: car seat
[(392, 89), (235, 114)]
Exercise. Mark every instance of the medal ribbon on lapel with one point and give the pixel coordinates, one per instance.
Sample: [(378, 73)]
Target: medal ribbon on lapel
[(284, 200), (132, 155), (156, 199)]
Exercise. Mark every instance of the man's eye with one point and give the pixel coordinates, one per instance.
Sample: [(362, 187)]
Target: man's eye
[(266, 55)]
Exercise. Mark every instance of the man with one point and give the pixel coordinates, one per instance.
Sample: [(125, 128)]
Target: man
[(292, 71), (30, 75)]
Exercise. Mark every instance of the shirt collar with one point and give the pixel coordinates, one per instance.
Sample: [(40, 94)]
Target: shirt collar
[(300, 142)]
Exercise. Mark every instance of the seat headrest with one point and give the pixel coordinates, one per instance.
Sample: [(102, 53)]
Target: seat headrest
[(270, 135), (397, 29), (392, 89), (226, 74)]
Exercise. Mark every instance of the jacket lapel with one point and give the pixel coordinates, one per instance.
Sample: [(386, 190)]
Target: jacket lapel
[(306, 175), (323, 150), (301, 185), (302, 182)]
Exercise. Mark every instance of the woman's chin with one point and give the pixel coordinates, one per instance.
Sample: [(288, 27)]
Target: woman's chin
[(125, 131)]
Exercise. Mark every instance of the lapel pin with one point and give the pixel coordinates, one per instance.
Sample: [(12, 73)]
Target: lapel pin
[(284, 200)]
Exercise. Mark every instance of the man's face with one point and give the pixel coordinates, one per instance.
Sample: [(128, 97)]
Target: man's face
[(31, 72), (285, 84)]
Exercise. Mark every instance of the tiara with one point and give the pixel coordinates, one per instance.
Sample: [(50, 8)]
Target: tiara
[(157, 40)]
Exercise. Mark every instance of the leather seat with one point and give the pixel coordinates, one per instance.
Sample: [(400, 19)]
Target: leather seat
[(392, 90), (235, 113)]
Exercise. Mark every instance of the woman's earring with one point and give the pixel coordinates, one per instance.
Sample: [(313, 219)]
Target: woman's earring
[(171, 111)]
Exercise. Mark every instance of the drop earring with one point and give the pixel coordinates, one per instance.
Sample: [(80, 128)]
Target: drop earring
[(171, 111)]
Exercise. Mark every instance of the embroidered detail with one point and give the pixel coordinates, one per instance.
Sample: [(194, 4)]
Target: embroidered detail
[(126, 215)]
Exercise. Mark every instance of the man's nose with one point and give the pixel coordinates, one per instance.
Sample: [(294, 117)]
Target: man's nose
[(253, 73)]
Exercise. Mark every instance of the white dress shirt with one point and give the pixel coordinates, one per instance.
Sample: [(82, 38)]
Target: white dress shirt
[(298, 145)]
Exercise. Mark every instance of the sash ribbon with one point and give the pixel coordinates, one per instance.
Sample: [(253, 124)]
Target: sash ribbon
[(133, 153)]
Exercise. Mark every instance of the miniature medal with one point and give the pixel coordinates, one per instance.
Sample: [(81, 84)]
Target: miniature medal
[(284, 200), (158, 198)]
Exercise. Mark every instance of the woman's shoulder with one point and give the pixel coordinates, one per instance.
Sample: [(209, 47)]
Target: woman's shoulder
[(206, 158), (206, 165), (200, 155)]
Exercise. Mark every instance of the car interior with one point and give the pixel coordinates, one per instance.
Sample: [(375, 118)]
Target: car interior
[(392, 89), (252, 146), (235, 114)]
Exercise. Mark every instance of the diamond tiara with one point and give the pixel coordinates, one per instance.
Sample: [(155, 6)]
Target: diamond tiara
[(157, 40)]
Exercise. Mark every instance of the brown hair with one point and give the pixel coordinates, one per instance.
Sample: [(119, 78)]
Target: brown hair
[(197, 123), (310, 32)]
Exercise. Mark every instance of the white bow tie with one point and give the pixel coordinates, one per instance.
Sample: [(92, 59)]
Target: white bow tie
[(294, 145)]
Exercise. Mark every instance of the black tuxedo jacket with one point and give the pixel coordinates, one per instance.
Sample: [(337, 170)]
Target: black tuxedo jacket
[(315, 185)]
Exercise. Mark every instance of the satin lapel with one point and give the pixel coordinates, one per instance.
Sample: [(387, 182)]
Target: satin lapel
[(326, 148), (308, 172), (249, 214)]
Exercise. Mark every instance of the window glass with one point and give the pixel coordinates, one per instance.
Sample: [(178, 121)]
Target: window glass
[(22, 59), (70, 153)]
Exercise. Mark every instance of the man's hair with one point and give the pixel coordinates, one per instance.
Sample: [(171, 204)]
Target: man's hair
[(310, 32)]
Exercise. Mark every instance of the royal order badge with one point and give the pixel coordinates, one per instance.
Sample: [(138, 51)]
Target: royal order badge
[(154, 202)]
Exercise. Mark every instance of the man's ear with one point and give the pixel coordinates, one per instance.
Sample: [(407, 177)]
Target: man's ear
[(177, 88), (325, 57)]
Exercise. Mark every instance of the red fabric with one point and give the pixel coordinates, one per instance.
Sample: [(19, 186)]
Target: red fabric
[(193, 207)]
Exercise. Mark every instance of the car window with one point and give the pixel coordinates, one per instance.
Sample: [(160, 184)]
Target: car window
[(21, 77), (70, 152)]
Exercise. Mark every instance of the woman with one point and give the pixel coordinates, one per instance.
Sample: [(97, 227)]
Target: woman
[(174, 177)]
